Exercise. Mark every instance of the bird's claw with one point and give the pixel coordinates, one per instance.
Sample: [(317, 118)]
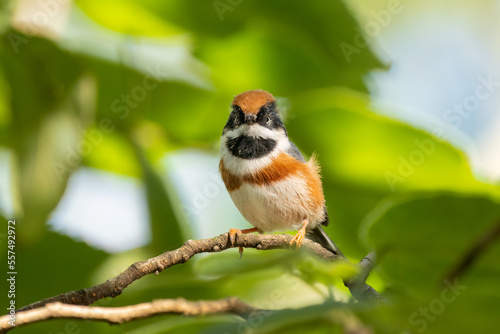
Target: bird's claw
[(233, 234), (298, 239)]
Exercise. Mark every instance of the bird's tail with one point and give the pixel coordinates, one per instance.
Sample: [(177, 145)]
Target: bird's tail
[(319, 235)]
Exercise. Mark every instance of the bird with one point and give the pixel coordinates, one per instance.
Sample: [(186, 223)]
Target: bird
[(266, 176)]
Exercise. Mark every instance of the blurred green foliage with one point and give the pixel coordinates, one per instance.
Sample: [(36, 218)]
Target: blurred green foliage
[(128, 81)]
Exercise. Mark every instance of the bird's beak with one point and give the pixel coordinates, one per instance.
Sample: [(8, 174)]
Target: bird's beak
[(250, 118)]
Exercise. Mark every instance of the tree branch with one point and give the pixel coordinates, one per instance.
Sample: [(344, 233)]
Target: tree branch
[(357, 285), (115, 286), (119, 315)]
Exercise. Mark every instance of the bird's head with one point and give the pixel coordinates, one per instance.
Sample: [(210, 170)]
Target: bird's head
[(253, 112), (254, 127)]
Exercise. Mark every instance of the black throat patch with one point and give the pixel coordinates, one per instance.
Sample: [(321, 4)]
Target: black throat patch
[(246, 147)]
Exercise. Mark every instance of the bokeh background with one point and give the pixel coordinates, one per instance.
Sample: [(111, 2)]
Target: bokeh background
[(110, 118)]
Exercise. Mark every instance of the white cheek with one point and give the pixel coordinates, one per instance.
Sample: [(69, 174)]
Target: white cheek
[(238, 166), (254, 130)]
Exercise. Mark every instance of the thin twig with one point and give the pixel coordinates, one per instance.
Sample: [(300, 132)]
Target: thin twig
[(119, 315), (481, 245), (357, 285)]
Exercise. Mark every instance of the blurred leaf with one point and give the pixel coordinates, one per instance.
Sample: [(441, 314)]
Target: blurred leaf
[(56, 256), (201, 125), (327, 273), (308, 266), (128, 101), (5, 12), (115, 107), (58, 326), (152, 58), (54, 265), (167, 231), (246, 46), (116, 263), (229, 262), (323, 318), (5, 112), (174, 324), (175, 282), (297, 45), (449, 223), (365, 157), (129, 17), (420, 238), (110, 151), (44, 130)]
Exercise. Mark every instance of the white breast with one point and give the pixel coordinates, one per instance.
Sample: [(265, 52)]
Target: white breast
[(280, 206)]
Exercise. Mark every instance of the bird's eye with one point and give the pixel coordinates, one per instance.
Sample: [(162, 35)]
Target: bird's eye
[(268, 120), (236, 115)]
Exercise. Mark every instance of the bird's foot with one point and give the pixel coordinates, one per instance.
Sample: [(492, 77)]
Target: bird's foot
[(234, 233), (298, 239)]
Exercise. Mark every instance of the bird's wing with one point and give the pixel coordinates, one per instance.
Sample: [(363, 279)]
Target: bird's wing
[(294, 152), (319, 235), (327, 219)]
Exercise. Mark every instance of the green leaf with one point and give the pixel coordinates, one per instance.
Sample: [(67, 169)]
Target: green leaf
[(189, 116), (308, 267), (57, 264), (175, 324), (421, 236), (322, 318), (420, 239), (129, 17), (111, 151), (44, 129), (288, 46), (56, 256), (166, 228), (171, 111), (5, 112), (229, 262)]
